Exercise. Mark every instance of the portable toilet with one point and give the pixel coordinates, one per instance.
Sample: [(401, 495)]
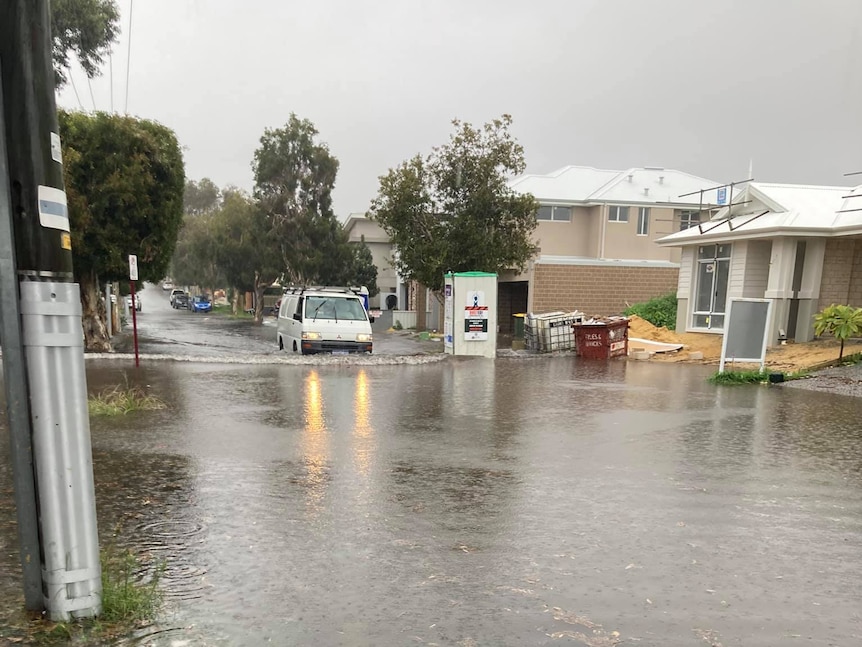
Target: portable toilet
[(470, 314)]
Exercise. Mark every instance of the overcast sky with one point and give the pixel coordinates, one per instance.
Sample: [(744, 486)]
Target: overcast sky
[(701, 86)]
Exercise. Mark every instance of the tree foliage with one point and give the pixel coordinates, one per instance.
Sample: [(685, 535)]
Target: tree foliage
[(363, 271), (124, 184), (201, 197), (86, 28), (294, 175), (840, 321), (454, 211), (124, 181)]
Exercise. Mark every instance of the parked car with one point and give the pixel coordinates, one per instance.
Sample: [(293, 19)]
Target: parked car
[(174, 293), (180, 300), (137, 302), (201, 303)]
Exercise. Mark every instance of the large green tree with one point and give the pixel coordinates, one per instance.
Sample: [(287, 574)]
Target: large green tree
[(86, 29), (453, 210), (294, 176), (246, 252), (124, 183), (200, 197)]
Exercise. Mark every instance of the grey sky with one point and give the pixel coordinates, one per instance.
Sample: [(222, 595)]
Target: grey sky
[(702, 86)]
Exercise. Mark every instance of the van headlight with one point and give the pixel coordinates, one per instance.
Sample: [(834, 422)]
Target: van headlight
[(363, 337), (310, 335)]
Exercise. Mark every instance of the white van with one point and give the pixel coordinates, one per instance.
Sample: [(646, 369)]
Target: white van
[(323, 320)]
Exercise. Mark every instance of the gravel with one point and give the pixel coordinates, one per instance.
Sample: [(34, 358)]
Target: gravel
[(842, 380)]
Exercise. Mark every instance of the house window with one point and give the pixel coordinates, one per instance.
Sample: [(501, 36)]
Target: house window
[(618, 214), (559, 214), (643, 221), (688, 219), (713, 269)]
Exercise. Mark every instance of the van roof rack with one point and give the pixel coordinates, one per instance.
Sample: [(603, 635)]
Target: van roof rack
[(299, 289)]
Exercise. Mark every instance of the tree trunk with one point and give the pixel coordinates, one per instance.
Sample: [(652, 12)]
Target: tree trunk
[(421, 307), (259, 287), (93, 316), (841, 352), (237, 295)]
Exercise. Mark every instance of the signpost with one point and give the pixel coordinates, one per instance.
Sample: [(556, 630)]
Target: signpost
[(746, 332), (133, 276)]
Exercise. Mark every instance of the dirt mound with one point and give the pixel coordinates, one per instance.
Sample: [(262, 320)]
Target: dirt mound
[(791, 357), (708, 344)]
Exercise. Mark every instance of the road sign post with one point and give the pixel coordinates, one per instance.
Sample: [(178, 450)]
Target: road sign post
[(133, 276)]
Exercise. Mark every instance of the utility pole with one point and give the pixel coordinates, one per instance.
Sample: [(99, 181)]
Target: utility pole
[(50, 308)]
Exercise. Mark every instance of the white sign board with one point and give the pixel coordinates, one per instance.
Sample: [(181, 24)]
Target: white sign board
[(133, 267), (746, 331)]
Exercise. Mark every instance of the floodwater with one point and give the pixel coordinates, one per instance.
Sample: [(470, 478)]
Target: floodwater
[(515, 502)]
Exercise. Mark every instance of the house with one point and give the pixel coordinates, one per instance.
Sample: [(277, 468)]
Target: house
[(800, 246), (359, 228), (596, 238)]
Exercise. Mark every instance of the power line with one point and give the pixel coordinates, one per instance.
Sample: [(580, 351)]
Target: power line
[(72, 80), (111, 64), (129, 55), (92, 98)]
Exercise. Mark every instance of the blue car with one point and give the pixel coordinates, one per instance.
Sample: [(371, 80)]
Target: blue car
[(201, 304)]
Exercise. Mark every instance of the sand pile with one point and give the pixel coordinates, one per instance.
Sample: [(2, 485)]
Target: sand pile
[(708, 344)]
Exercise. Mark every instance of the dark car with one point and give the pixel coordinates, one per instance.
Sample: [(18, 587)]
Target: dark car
[(201, 304), (181, 301)]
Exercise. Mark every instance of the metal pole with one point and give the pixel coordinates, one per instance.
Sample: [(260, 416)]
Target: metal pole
[(134, 323), (108, 309), (17, 398), (50, 316)]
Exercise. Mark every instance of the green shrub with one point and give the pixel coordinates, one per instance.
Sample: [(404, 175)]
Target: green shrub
[(660, 311), (841, 321)]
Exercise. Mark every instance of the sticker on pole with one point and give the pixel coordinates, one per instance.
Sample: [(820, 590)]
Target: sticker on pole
[(56, 148), (133, 267), (53, 212)]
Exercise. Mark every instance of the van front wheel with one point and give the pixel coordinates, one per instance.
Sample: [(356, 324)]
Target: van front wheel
[(294, 347), (280, 344)]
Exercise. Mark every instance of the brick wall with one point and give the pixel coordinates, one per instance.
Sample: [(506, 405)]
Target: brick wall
[(842, 273), (598, 290)]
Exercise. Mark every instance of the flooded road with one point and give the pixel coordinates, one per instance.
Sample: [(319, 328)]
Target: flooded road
[(476, 502)]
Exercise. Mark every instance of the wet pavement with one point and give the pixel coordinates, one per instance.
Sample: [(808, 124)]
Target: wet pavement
[(545, 501)]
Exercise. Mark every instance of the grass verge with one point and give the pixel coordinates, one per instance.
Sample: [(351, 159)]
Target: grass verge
[(122, 400), (129, 601), (226, 311), (754, 377)]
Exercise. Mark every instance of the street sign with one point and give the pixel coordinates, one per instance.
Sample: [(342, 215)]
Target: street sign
[(722, 195), (133, 267)]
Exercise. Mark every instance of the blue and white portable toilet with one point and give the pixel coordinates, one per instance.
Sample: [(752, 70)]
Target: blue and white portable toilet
[(470, 314)]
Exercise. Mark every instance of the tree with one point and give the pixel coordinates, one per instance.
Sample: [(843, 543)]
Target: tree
[(363, 270), (201, 197), (86, 28), (124, 183), (454, 211), (246, 252), (841, 321), (294, 176)]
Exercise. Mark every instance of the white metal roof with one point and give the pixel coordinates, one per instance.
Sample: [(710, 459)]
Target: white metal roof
[(588, 185), (765, 210)]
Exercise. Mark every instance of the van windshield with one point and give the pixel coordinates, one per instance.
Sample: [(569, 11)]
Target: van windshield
[(337, 308)]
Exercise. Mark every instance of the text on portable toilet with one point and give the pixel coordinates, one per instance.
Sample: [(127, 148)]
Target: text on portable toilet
[(475, 316)]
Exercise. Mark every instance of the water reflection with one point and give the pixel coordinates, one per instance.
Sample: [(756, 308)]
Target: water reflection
[(315, 444), (362, 430)]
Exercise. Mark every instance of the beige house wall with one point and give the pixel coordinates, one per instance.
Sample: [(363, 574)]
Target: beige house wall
[(557, 238), (841, 282)]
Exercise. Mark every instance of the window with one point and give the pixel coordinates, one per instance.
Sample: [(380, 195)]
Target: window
[(688, 219), (618, 214), (643, 221), (713, 269), (559, 214)]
